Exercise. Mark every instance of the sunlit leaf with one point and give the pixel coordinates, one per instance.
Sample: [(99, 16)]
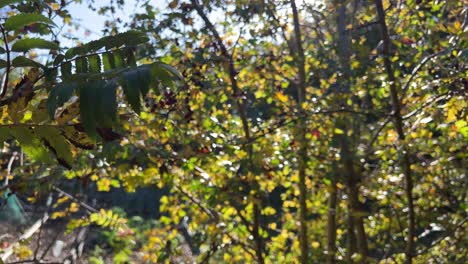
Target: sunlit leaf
[(24, 19)]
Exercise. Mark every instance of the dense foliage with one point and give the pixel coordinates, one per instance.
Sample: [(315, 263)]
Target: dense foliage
[(279, 131)]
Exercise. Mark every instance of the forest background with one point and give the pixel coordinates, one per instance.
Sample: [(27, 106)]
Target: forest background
[(266, 131)]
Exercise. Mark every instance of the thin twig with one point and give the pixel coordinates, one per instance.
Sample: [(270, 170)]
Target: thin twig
[(417, 69), (73, 198), (8, 63), (427, 103), (447, 234)]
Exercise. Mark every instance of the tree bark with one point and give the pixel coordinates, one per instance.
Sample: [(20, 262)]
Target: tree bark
[(302, 154), (352, 177), (331, 224), (398, 122)]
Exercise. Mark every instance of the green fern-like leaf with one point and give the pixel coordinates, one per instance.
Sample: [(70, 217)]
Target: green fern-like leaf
[(127, 39), (81, 65), (24, 19), (94, 63), (30, 144), (24, 45), (57, 143), (88, 101), (66, 70), (59, 95)]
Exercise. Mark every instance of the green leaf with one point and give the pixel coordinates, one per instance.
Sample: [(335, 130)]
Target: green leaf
[(3, 64), (58, 59), (164, 74), (24, 45), (106, 108), (94, 63), (66, 70), (61, 147), (131, 60), (4, 135), (108, 61), (129, 39), (4, 3), (22, 61), (73, 52), (81, 65), (88, 103), (30, 144), (131, 86), (144, 76), (51, 74), (21, 20), (170, 69), (119, 61), (2, 50), (59, 95), (40, 114)]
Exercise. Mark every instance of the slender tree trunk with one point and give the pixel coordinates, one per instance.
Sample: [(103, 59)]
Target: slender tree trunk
[(256, 233), (356, 217), (302, 155), (351, 239), (331, 225), (398, 121), (241, 108), (347, 156)]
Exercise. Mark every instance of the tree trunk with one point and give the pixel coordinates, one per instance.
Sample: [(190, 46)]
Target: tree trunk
[(302, 155), (398, 121), (331, 226), (347, 155), (351, 240), (241, 108)]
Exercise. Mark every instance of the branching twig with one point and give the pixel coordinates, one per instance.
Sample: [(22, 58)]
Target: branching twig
[(447, 234), (415, 71), (425, 104)]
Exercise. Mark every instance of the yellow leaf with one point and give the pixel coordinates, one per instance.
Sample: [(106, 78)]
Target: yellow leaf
[(339, 131), (74, 207), (94, 177), (67, 20), (62, 199), (283, 98), (269, 211), (391, 136), (103, 185), (226, 240), (355, 64), (315, 244), (55, 6), (22, 252), (272, 226)]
